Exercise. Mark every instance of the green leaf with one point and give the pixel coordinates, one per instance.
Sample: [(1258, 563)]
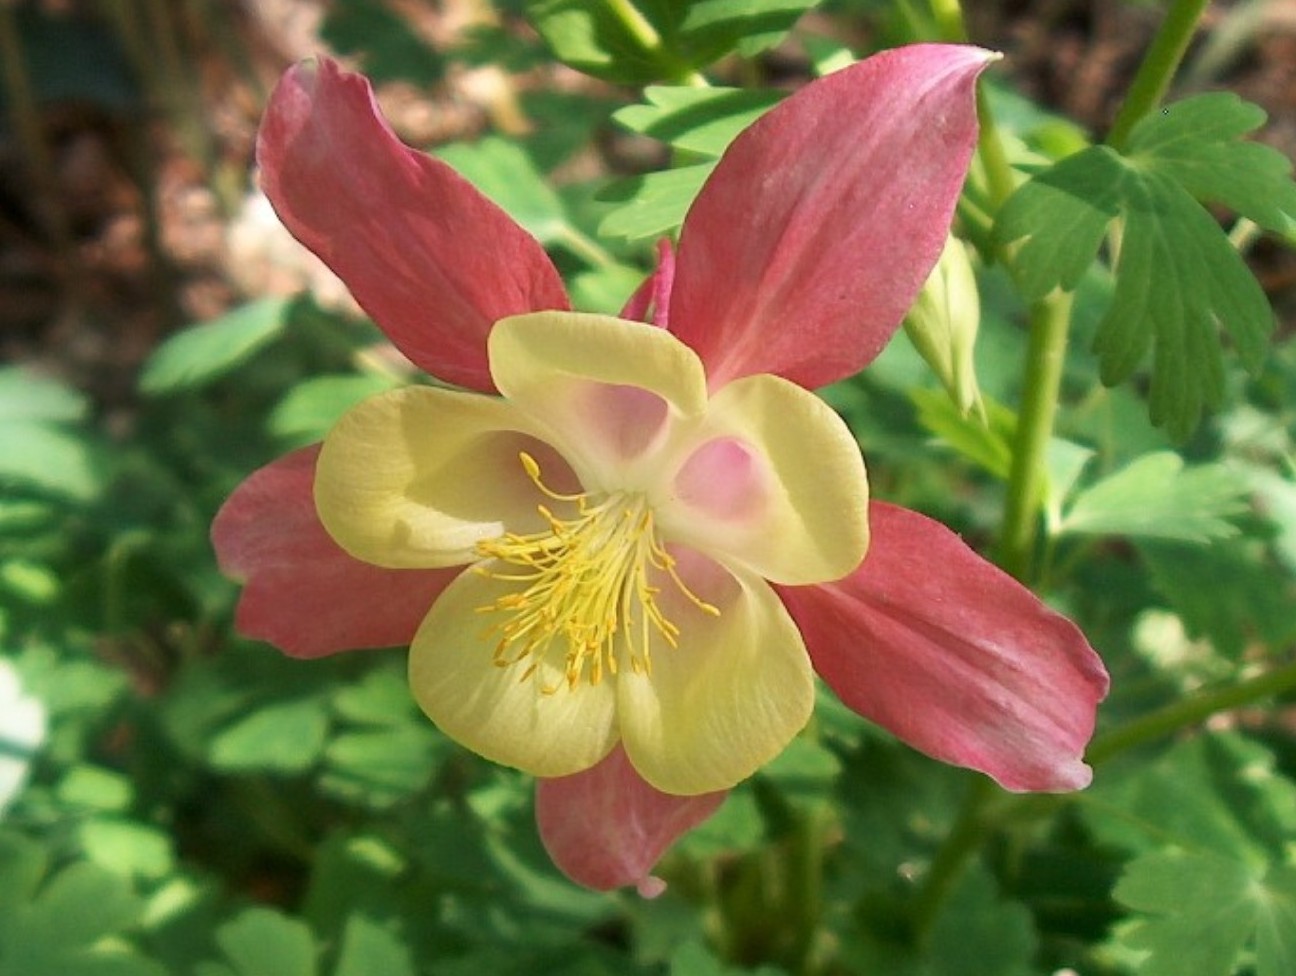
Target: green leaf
[(981, 933), (1276, 923), (1205, 910), (748, 25), (594, 38), (25, 395), (641, 41), (79, 906), (312, 407), (283, 737), (39, 456), (504, 172), (384, 766), (987, 444), (22, 865), (699, 120), (1179, 281), (1056, 222), (828, 54), (202, 353), (1157, 497), (368, 949), (262, 942), (381, 698), (1194, 142), (1230, 592), (653, 204), (127, 848), (1219, 792), (89, 787)]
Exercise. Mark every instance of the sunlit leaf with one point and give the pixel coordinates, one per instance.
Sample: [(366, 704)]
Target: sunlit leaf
[(503, 172), (310, 408), (286, 736), (699, 120), (654, 204), (1157, 497), (49, 459), (25, 395), (262, 942), (202, 353), (368, 949), (1205, 909)]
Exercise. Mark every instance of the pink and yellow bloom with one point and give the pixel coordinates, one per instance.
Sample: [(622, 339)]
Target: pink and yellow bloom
[(620, 552)]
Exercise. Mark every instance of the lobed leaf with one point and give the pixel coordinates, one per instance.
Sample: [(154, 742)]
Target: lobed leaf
[(700, 120), (654, 204), (1156, 497), (1205, 909), (1179, 281), (1194, 142), (642, 41)]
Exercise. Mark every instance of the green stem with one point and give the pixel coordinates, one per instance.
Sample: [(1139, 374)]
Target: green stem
[(1157, 69), (1191, 711), (1000, 180), (960, 844), (586, 248), (1050, 321), (949, 20), (805, 884), (642, 30)]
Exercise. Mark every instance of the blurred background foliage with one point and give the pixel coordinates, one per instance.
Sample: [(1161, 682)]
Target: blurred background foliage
[(176, 800)]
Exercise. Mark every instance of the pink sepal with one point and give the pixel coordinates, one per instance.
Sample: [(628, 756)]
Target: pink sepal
[(433, 261), (822, 220), (303, 594), (605, 828), (954, 656), (651, 300)]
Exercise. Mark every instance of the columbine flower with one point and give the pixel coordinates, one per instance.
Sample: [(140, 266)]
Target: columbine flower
[(619, 552)]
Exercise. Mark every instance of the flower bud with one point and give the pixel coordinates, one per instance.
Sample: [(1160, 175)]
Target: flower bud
[(942, 324)]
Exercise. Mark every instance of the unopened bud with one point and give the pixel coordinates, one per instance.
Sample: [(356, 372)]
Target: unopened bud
[(943, 323)]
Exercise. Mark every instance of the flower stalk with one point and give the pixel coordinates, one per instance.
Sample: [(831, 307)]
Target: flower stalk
[(1188, 712), (1050, 323), (1157, 69)]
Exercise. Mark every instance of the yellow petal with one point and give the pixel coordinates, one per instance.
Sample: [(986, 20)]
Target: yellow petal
[(534, 722), (774, 482), (415, 477), (608, 391), (723, 702)]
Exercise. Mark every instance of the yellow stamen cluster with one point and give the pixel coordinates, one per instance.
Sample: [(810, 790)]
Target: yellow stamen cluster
[(587, 580)]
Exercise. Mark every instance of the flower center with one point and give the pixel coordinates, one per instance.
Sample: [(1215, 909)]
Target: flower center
[(583, 582)]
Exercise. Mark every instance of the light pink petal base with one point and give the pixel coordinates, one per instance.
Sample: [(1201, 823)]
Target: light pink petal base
[(303, 594), (819, 225), (432, 260), (605, 828), (954, 656)]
